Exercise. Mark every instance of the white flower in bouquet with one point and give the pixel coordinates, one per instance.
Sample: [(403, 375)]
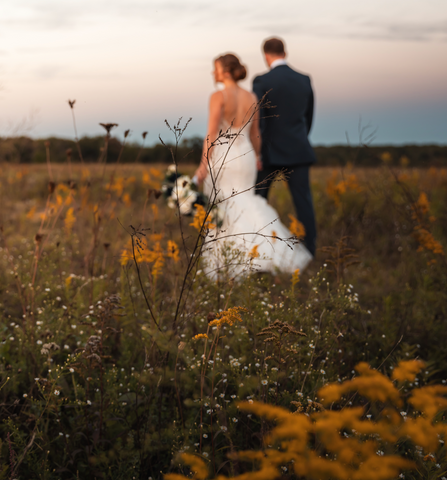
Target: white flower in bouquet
[(172, 168), (171, 203), (187, 204), (184, 195), (182, 186)]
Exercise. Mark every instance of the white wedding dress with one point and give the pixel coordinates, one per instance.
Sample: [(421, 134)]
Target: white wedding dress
[(246, 220)]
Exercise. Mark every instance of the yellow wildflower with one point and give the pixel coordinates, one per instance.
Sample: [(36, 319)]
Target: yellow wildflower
[(156, 173), (254, 252), (199, 221), (31, 213), (370, 384), (230, 317), (117, 186), (159, 260), (154, 211), (386, 157), (95, 209), (69, 220), (126, 253), (126, 200), (428, 399), (173, 251), (199, 336), (296, 227), (336, 190), (296, 277), (421, 207), (407, 370), (427, 241), (404, 161), (155, 237)]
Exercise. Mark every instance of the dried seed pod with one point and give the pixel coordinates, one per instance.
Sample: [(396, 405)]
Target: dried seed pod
[(108, 126)]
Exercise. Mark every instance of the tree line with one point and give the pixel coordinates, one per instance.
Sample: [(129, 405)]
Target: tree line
[(25, 150)]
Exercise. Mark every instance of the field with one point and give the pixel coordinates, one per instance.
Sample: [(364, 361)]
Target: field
[(118, 355)]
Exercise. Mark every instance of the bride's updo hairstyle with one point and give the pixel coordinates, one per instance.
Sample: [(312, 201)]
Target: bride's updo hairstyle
[(231, 64)]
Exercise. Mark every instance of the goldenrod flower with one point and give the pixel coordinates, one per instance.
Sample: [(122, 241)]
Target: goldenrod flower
[(159, 260), (199, 336), (296, 277), (335, 190), (69, 220), (370, 384), (407, 370), (173, 251), (230, 317), (386, 157), (296, 227), (427, 241), (154, 211), (199, 221), (31, 213), (254, 252), (126, 200)]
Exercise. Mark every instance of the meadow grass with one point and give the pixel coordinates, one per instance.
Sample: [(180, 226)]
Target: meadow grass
[(113, 361)]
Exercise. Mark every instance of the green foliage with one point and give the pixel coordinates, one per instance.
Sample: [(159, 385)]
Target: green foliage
[(91, 388)]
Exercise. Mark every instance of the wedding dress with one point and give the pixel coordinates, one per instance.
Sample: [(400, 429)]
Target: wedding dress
[(249, 235)]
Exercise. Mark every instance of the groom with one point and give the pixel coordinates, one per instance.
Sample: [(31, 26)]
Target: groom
[(284, 131)]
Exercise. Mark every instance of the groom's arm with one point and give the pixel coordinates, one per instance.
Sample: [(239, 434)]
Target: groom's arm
[(310, 109), (257, 88)]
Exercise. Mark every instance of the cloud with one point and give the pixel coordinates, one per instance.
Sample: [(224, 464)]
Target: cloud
[(359, 28), (407, 31), (42, 15)]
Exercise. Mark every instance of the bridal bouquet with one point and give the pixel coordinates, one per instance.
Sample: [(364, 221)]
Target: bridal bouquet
[(180, 192)]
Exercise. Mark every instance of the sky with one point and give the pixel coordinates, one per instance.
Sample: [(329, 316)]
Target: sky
[(378, 66)]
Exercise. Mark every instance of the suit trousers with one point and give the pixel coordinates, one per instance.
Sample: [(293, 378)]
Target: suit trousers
[(299, 186)]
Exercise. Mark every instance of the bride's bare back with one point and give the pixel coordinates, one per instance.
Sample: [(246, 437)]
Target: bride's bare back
[(238, 106)]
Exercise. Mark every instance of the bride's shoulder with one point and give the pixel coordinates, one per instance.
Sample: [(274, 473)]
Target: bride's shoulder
[(217, 98)]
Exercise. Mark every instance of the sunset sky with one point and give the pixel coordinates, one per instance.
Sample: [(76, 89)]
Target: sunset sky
[(137, 62)]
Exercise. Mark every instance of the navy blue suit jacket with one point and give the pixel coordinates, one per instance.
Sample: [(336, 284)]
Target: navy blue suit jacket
[(285, 128)]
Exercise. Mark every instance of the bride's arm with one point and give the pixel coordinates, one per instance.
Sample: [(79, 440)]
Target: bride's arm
[(255, 135), (215, 114)]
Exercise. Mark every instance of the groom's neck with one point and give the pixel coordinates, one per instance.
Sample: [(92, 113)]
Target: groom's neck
[(269, 58)]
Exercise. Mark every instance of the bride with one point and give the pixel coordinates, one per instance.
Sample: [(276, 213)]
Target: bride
[(250, 236)]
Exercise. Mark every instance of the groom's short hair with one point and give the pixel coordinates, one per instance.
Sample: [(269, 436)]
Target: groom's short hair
[(274, 46)]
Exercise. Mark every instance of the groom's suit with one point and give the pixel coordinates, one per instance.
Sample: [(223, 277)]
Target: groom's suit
[(285, 143)]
